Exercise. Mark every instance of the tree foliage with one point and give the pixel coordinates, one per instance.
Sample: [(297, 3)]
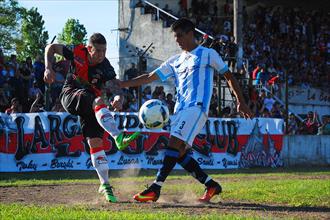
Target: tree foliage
[(73, 33), (9, 23), (33, 35), (21, 31)]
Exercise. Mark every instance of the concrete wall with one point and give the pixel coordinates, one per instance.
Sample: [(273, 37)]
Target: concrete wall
[(306, 150), (142, 31), (302, 100)]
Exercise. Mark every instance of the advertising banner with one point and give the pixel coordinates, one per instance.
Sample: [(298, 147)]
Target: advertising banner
[(53, 141)]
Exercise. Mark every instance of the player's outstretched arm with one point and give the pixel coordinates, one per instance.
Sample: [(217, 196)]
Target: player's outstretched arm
[(140, 80), (50, 50), (242, 107)]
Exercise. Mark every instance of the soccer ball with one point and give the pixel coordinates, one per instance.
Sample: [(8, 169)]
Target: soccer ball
[(154, 114)]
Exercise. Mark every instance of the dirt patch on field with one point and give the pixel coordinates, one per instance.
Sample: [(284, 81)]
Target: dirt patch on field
[(185, 203)]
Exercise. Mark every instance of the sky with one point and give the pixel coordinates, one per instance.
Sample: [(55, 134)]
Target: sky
[(96, 15)]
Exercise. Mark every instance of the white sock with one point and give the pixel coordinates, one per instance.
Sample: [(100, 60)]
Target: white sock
[(100, 163), (158, 183), (207, 179), (107, 122)]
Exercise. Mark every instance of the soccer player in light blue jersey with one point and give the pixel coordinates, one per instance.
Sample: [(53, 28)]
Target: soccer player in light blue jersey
[(193, 71)]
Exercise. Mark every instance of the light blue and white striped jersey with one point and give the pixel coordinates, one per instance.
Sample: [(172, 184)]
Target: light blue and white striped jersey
[(193, 72)]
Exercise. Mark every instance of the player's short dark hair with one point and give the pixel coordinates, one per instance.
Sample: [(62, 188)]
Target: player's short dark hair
[(97, 38), (183, 24)]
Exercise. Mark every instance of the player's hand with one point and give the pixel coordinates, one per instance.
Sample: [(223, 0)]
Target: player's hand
[(244, 110), (117, 103), (49, 75)]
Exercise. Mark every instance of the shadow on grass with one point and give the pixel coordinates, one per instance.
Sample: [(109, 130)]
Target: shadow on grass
[(78, 174), (247, 206)]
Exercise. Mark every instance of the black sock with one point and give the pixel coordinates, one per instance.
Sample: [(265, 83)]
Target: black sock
[(191, 165), (170, 159)]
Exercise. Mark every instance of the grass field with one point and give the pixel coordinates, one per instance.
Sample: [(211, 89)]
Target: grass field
[(300, 193)]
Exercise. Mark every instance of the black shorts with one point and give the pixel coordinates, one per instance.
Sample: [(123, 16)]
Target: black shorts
[(79, 101)]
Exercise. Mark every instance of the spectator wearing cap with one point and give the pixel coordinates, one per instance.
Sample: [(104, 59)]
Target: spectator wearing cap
[(15, 107)]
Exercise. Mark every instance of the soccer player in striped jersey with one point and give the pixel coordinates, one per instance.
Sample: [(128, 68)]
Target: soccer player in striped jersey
[(193, 71)]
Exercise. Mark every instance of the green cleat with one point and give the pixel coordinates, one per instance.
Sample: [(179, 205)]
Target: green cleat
[(123, 140), (106, 190)]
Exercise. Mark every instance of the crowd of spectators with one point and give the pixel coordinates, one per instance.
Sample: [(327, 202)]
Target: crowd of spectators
[(22, 88), (26, 78), (310, 126), (277, 41), (291, 41)]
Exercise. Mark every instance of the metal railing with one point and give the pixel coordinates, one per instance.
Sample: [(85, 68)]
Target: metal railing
[(172, 16), (282, 103)]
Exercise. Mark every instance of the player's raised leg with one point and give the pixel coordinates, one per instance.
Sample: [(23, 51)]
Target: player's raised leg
[(107, 122)]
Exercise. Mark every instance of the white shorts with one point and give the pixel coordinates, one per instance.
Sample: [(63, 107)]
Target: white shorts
[(188, 123)]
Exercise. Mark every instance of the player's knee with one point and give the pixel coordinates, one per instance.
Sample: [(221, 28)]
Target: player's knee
[(182, 151), (178, 145)]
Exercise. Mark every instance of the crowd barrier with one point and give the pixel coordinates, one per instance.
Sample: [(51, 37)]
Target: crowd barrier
[(306, 150), (53, 141)]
